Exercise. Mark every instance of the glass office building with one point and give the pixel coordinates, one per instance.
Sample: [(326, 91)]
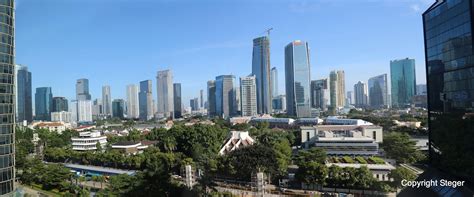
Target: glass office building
[(261, 70), (177, 100), (43, 103), (24, 110), (225, 95), (403, 81), (450, 83), (297, 79), (7, 130), (378, 97)]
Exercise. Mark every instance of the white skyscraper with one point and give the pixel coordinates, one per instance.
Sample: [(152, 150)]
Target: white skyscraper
[(132, 101), (106, 101), (248, 98), (164, 82), (81, 110)]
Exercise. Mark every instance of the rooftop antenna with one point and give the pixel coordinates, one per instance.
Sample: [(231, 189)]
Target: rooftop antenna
[(268, 31)]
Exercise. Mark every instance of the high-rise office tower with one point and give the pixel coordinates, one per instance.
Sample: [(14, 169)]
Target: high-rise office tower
[(201, 99), (7, 185), (320, 94), (145, 100), (274, 82), (279, 103), (261, 70), (106, 101), (297, 79), (211, 98), (194, 104), (96, 107), (132, 102), (177, 100), (378, 91), (81, 110), (164, 82), (349, 98), (237, 101), (118, 108), (24, 108), (421, 89), (449, 56), (360, 94), (82, 89), (225, 95), (337, 88), (248, 96), (403, 80), (59, 104), (43, 103)]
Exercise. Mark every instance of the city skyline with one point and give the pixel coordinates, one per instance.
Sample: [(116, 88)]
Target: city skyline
[(147, 63)]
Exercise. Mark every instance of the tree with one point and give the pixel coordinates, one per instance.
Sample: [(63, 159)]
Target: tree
[(251, 159), (53, 175), (134, 135), (314, 154), (363, 178), (400, 147), (312, 173), (400, 174)]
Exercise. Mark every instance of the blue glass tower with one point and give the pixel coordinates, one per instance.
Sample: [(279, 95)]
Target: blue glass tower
[(43, 103), (261, 70), (298, 79), (403, 80)]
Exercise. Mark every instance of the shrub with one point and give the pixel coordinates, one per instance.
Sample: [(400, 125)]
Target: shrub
[(361, 160)]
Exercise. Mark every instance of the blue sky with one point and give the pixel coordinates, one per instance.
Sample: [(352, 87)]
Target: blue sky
[(120, 42)]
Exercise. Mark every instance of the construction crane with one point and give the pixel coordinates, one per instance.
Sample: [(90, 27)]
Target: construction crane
[(268, 31)]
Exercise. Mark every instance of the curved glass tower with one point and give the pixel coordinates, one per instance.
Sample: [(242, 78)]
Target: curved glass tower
[(7, 104)]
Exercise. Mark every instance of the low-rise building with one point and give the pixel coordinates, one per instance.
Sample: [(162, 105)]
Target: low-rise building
[(129, 147), (412, 124), (380, 171), (274, 122), (88, 141), (236, 139), (58, 127), (338, 120)]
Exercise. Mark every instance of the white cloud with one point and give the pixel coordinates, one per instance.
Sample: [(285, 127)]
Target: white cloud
[(415, 7)]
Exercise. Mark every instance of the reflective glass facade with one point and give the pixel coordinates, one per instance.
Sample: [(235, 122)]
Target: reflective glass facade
[(7, 99), (261, 70), (450, 84), (145, 100), (24, 108), (43, 103), (211, 98), (297, 79), (403, 81), (225, 95), (177, 100), (59, 104), (378, 92), (82, 89)]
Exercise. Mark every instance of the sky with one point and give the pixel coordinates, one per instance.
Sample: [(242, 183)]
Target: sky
[(121, 42)]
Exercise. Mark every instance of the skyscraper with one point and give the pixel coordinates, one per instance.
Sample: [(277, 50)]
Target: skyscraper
[(225, 95), (145, 100), (378, 91), (82, 89), (7, 185), (337, 89), (201, 99), (421, 89), (297, 79), (177, 100), (118, 108), (194, 104), (24, 110), (448, 35), (261, 70), (59, 104), (274, 82), (361, 94), (132, 102), (96, 108), (211, 98), (164, 82), (82, 110), (43, 103), (349, 98), (402, 75), (248, 96), (106, 101), (320, 94), (237, 101)]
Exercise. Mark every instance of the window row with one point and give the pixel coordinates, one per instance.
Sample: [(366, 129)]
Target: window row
[(6, 161), (6, 2), (6, 129), (6, 187), (6, 174), (7, 39), (448, 25), (6, 10), (6, 78), (4, 48), (6, 19), (6, 88), (459, 85), (6, 29), (6, 68), (454, 33), (450, 5), (6, 108), (454, 45), (5, 139), (6, 118)]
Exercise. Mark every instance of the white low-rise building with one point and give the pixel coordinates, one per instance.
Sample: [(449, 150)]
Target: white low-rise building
[(337, 120), (88, 141), (380, 171), (237, 139), (130, 148)]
